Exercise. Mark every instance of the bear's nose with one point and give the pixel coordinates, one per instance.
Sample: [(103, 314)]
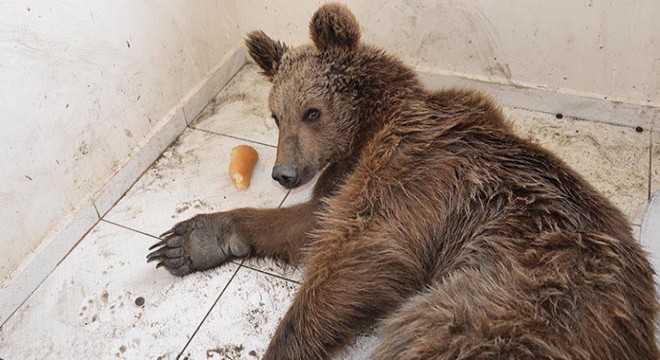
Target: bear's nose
[(286, 175)]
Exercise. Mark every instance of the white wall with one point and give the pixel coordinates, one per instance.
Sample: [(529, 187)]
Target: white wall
[(592, 47), (83, 84)]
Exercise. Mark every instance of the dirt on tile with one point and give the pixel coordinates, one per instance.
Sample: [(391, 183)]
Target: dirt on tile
[(226, 352), (182, 207), (196, 204), (218, 102), (173, 158), (251, 98)]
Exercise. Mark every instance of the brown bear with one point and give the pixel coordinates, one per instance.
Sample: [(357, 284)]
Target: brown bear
[(429, 214)]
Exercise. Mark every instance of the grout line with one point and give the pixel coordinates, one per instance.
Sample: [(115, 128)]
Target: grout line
[(139, 177), (185, 117), (271, 274), (26, 299), (129, 228), (283, 200), (570, 118), (74, 246), (209, 311), (225, 86), (233, 137), (98, 214)]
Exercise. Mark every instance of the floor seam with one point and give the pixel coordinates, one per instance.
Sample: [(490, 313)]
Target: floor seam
[(138, 178), (577, 119), (185, 117), (270, 274), (194, 120), (209, 311), (283, 200), (232, 137), (98, 214), (130, 228)]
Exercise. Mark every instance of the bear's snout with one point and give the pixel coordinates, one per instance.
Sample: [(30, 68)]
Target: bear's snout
[(286, 174)]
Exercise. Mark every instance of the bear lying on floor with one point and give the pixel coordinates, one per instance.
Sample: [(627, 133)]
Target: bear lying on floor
[(429, 214)]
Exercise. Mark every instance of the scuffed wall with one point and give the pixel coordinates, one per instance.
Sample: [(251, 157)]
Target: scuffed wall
[(83, 83), (598, 48)]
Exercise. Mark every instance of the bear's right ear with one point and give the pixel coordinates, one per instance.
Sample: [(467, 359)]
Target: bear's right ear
[(266, 52)]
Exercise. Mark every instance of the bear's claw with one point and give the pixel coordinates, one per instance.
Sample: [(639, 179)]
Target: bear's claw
[(197, 244), (169, 252)]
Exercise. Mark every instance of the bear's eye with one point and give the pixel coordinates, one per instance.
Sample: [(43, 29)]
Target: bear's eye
[(312, 114), (277, 122)]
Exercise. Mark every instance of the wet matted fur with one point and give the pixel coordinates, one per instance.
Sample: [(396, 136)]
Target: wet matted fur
[(431, 215)]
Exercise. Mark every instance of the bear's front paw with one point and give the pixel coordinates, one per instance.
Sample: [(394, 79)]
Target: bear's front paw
[(200, 243)]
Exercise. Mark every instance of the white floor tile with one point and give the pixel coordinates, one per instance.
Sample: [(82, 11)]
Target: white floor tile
[(192, 177), (650, 232), (637, 232), (615, 159), (241, 109), (87, 308), (242, 322)]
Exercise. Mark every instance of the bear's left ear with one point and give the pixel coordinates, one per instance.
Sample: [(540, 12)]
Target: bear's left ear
[(334, 26), (266, 52)]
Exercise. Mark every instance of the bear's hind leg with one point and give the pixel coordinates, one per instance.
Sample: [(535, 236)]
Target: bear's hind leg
[(470, 315)]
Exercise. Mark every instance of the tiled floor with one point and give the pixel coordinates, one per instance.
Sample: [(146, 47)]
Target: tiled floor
[(104, 301)]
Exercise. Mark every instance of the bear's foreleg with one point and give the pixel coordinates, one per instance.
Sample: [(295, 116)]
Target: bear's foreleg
[(208, 240)]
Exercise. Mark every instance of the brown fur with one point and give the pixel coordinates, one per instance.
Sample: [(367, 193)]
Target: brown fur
[(430, 214)]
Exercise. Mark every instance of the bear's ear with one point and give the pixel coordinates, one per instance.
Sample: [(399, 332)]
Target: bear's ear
[(266, 52), (334, 26)]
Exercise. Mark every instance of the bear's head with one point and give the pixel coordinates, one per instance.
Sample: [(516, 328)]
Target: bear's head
[(314, 92)]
